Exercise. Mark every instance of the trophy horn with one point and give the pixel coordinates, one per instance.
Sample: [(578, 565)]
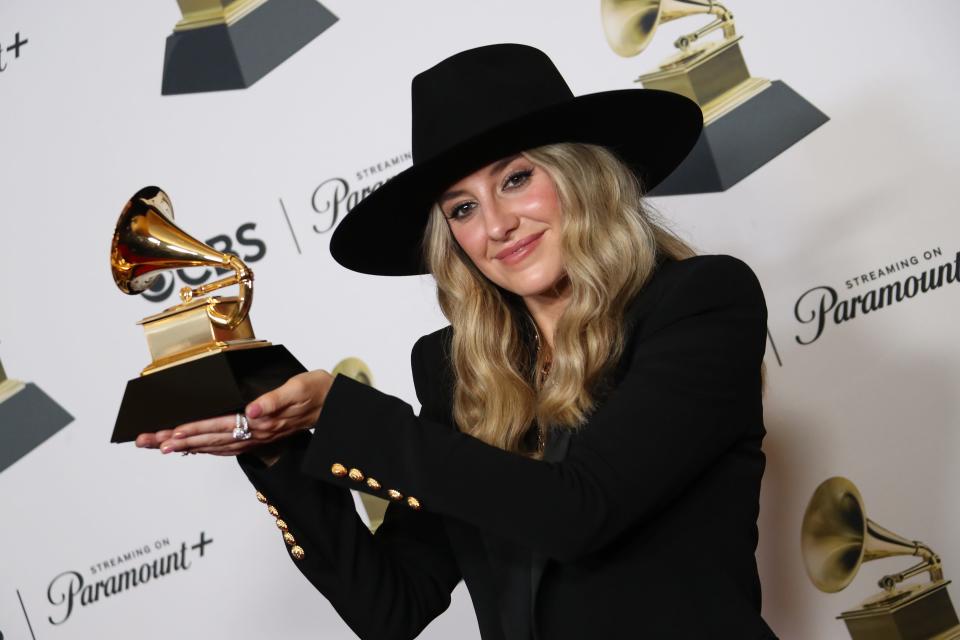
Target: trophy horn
[(146, 242), (629, 25), (836, 538)]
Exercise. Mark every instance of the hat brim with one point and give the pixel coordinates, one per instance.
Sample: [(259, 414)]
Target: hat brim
[(652, 131)]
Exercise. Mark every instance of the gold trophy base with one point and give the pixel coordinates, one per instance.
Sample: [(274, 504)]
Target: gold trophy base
[(230, 44), (713, 75), (9, 388), (200, 368), (186, 332), (219, 384), (916, 612)]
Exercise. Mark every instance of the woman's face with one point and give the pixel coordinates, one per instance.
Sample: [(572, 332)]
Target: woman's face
[(506, 218)]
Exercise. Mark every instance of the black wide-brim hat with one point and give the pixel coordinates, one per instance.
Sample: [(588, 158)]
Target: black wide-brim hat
[(488, 103)]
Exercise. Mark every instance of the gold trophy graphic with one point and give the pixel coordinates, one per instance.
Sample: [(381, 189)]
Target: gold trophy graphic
[(747, 121), (8, 386), (837, 537), (230, 44), (28, 416), (206, 360)]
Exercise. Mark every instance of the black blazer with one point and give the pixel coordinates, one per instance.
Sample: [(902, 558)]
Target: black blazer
[(642, 524)]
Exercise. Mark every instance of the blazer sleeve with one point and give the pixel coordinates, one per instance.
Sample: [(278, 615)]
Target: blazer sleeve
[(385, 585), (690, 392)]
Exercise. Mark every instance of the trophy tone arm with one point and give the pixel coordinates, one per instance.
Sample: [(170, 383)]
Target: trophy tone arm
[(930, 562), (724, 20), (243, 278)]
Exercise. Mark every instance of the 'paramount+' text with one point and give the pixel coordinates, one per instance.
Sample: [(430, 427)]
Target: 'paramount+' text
[(822, 306)]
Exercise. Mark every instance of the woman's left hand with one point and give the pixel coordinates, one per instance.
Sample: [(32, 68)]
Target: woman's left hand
[(275, 415)]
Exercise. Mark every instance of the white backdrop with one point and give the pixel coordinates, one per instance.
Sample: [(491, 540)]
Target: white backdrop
[(83, 126)]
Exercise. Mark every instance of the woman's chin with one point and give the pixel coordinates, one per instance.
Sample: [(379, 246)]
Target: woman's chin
[(537, 287)]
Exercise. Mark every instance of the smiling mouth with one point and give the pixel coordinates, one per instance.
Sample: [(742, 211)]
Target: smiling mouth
[(519, 249)]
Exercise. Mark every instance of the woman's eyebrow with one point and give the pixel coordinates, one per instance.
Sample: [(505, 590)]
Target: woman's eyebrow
[(498, 166), (495, 168), (450, 195)]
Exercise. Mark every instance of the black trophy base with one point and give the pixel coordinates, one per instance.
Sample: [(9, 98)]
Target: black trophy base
[(740, 142), (223, 57), (215, 385), (927, 615), (27, 418)]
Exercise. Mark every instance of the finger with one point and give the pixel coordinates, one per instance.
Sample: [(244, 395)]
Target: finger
[(284, 423), (266, 404), (153, 440), (220, 424), (192, 443), (295, 391), (148, 440), (275, 425), (232, 449)]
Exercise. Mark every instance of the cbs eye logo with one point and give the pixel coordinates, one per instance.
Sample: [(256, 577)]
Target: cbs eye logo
[(165, 283)]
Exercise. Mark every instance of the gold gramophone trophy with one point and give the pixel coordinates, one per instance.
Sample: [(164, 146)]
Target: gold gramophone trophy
[(837, 537), (230, 44), (747, 121), (205, 359)]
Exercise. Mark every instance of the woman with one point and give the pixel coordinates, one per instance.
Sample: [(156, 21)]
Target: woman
[(587, 456)]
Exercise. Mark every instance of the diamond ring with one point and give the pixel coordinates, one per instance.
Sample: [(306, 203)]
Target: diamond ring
[(242, 430)]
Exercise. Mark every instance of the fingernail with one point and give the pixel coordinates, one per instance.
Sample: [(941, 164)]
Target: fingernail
[(178, 434), (253, 411), (166, 448)]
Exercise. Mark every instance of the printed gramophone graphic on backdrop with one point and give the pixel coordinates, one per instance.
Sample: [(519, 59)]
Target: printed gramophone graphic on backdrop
[(230, 44), (206, 360), (747, 121), (837, 537), (28, 416)]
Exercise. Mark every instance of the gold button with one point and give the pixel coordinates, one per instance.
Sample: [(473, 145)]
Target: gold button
[(289, 539), (297, 552), (413, 503), (394, 494), (356, 475), (262, 498), (373, 484), (281, 525), (273, 510), (338, 470)]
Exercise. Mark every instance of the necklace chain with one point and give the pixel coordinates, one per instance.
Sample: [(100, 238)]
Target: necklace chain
[(544, 372)]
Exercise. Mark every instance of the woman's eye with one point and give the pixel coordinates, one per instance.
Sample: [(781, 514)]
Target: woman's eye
[(517, 178), (460, 211)]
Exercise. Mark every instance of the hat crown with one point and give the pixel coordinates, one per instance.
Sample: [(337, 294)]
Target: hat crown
[(477, 90), (490, 103)]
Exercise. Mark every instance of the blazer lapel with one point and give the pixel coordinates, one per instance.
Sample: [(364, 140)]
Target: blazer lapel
[(558, 442)]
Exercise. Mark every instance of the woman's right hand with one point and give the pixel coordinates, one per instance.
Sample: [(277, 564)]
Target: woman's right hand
[(273, 416)]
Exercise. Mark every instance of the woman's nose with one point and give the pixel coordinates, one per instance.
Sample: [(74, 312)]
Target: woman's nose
[(501, 221)]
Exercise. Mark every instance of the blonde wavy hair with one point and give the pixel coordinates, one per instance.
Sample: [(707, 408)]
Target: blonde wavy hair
[(610, 242)]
